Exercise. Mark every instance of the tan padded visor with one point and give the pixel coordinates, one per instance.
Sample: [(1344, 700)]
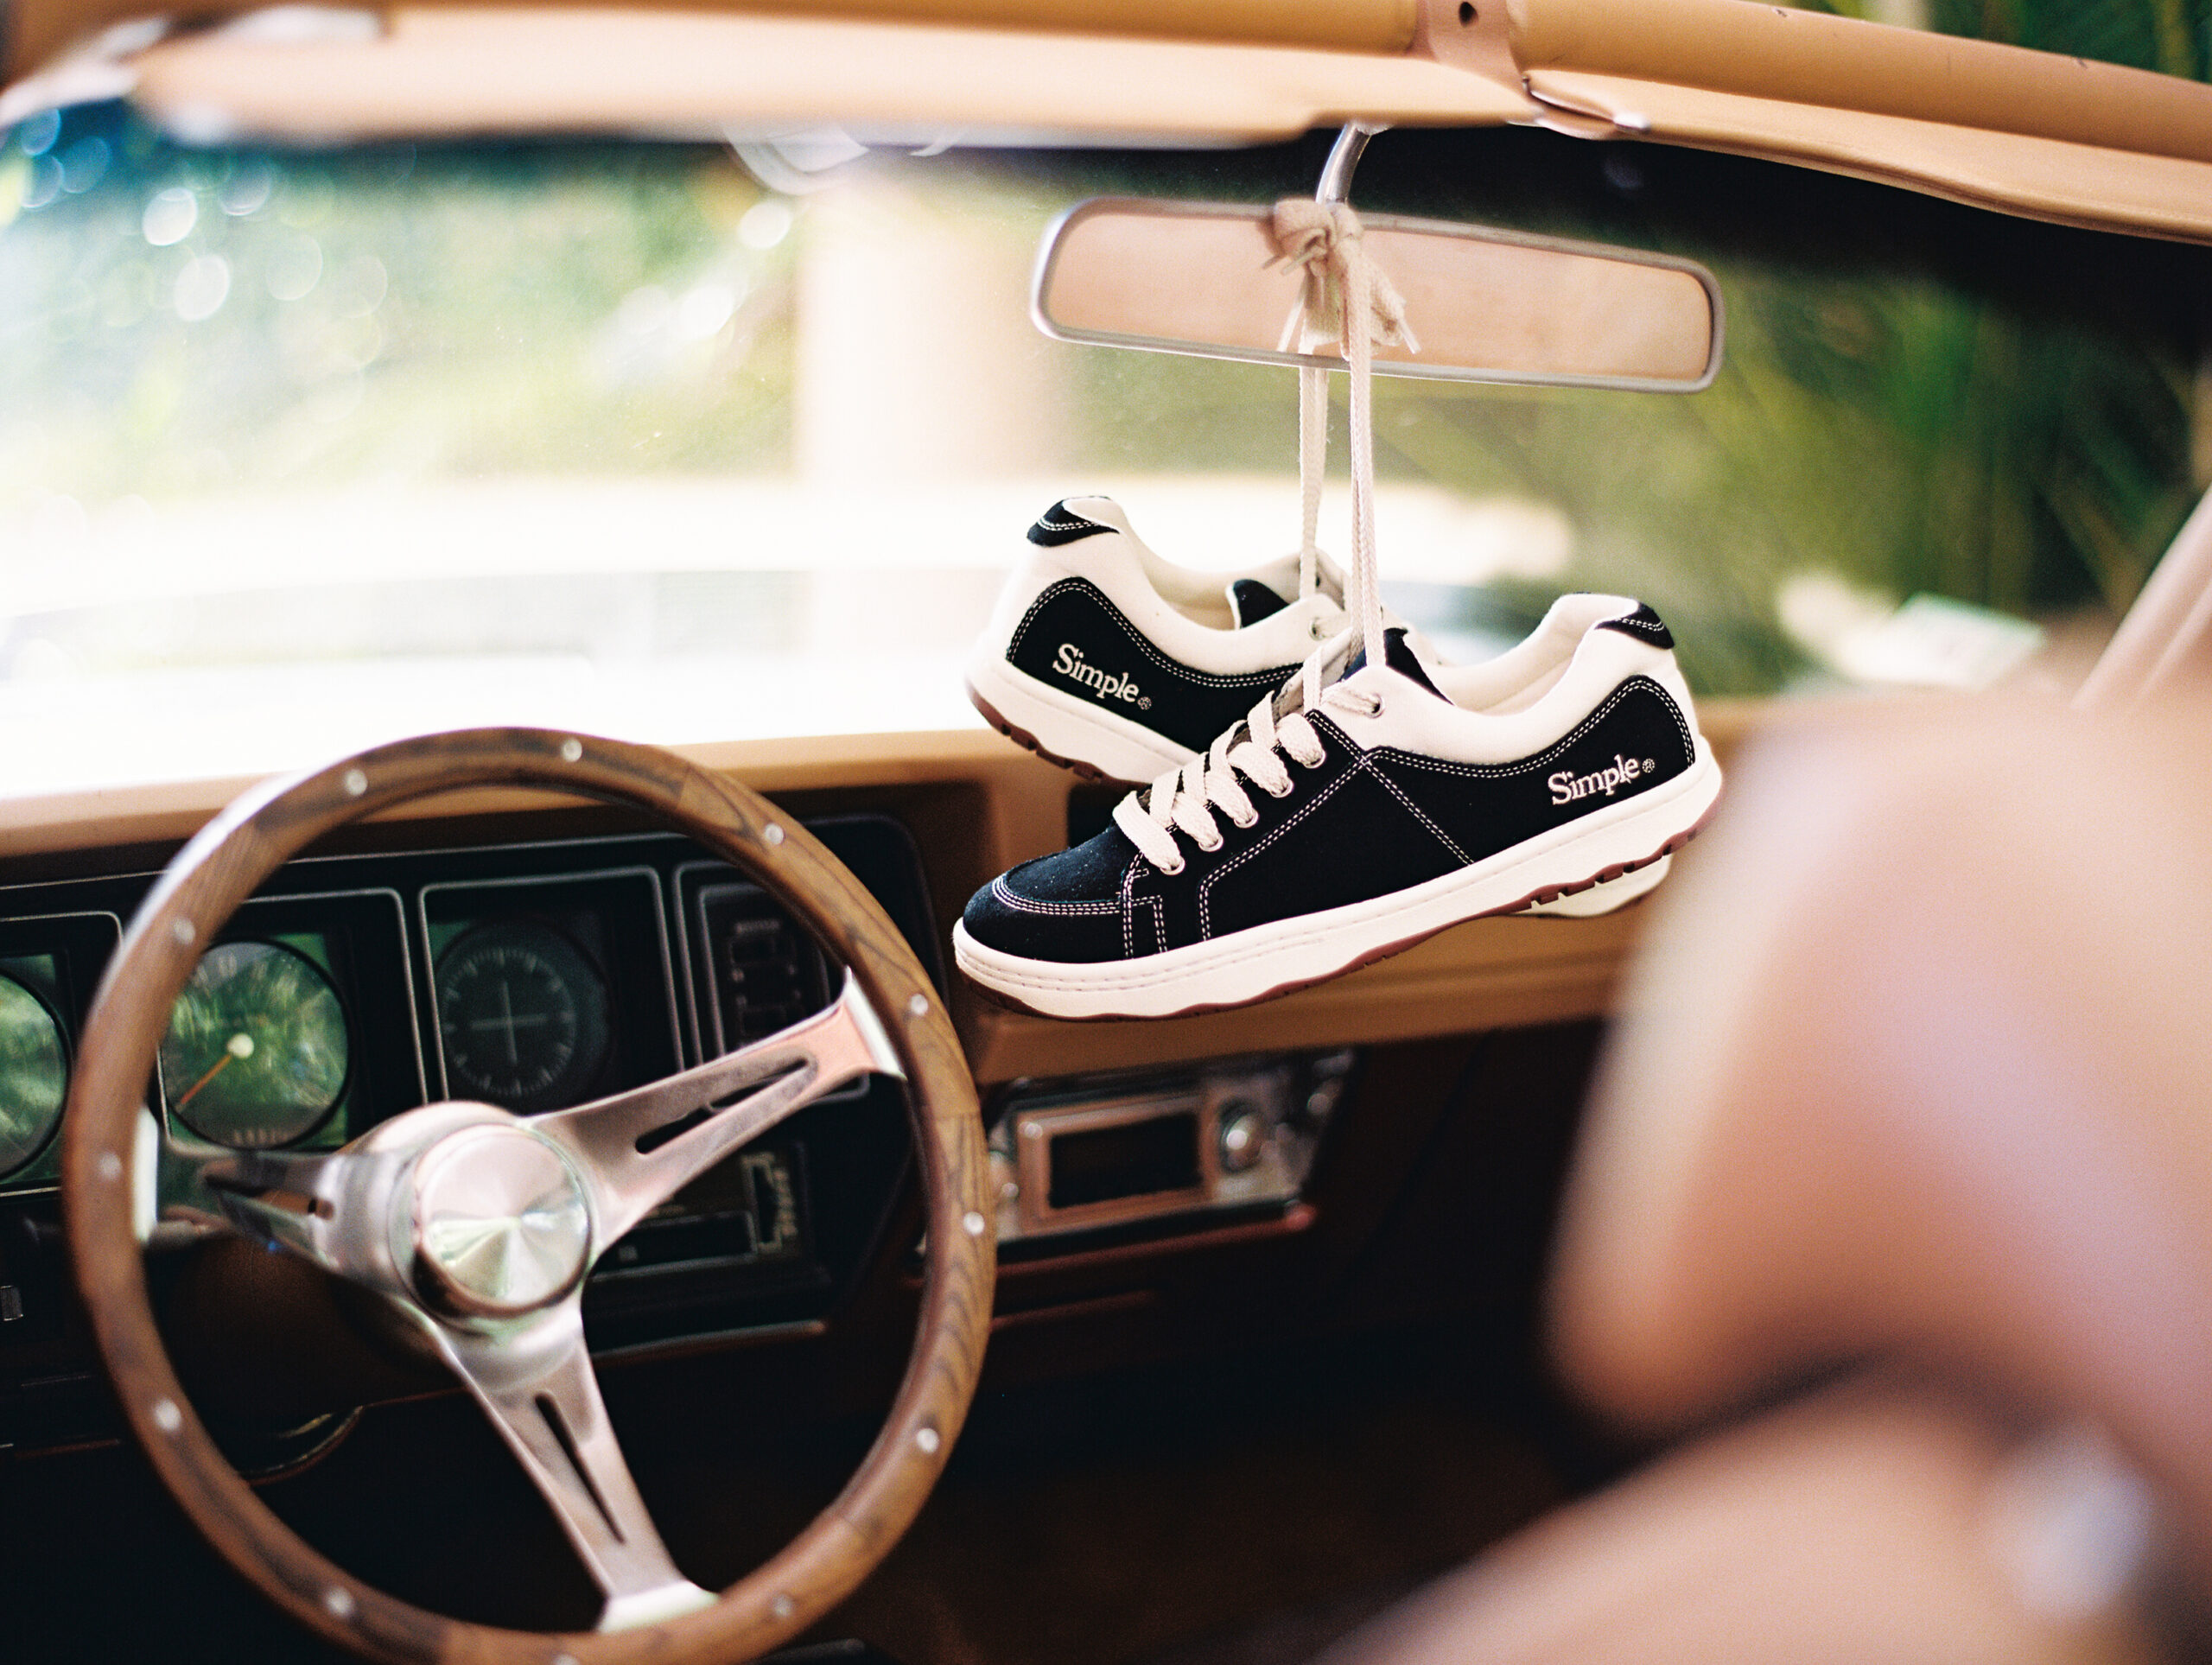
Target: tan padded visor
[(448, 70), (2073, 184), (1809, 58), (39, 28)]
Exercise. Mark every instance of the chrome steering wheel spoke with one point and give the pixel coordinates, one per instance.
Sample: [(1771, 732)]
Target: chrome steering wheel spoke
[(639, 1148), (534, 1381), (480, 1227), (293, 1199)]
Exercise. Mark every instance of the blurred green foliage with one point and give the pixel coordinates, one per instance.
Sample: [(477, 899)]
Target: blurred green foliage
[(2171, 36), (1916, 396), (380, 316)]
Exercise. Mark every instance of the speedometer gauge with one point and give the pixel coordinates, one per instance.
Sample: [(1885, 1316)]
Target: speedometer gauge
[(524, 1015), (34, 1075), (256, 1054)]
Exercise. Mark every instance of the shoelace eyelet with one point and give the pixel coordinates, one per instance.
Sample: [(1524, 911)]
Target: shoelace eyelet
[(1249, 821), (1313, 628)]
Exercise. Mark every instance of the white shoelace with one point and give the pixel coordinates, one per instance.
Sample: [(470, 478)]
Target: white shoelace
[(1184, 799), (1348, 299)]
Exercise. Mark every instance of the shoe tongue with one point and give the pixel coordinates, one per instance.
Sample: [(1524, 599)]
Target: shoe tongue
[(1398, 654), (1250, 600)]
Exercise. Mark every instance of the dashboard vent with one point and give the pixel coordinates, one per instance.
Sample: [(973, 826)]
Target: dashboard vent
[(767, 973)]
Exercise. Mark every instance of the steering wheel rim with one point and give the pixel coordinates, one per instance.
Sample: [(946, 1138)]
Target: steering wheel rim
[(105, 1179)]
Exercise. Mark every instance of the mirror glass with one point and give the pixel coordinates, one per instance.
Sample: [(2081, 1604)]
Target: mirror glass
[(1485, 305)]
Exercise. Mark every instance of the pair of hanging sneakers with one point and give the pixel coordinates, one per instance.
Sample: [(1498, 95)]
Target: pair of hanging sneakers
[(1300, 823)]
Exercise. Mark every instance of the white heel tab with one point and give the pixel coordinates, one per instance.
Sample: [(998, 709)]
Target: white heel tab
[(1086, 537), (1102, 511), (1612, 654), (1628, 643), (1575, 614)]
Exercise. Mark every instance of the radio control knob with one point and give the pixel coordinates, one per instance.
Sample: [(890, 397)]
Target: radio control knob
[(1243, 1135)]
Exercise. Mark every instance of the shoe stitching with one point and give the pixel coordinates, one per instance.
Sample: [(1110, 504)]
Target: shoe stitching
[(1129, 899), (1419, 814), (1128, 878), (1550, 754), (1360, 762), (1272, 678), (1131, 974), (1026, 904), (1363, 762), (1205, 885)]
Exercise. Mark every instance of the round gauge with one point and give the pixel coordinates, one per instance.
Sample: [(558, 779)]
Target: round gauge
[(256, 1054), (523, 1014), (34, 1075)]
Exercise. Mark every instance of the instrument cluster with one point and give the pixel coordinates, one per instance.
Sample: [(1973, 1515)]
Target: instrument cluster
[(531, 976)]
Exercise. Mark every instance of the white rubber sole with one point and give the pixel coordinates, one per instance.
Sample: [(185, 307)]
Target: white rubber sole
[(1608, 897), (1076, 734), (1250, 965)]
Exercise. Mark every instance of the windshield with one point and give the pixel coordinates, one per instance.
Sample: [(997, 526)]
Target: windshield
[(301, 450)]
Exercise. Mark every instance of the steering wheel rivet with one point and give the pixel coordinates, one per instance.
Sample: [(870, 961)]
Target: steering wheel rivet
[(339, 1601), (572, 750), (355, 783), (783, 1607), (974, 1223), (917, 1005), (183, 931), (773, 834), (928, 1439), (166, 1417)]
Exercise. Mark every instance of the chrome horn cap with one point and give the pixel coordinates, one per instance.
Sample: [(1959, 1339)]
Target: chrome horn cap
[(500, 1224)]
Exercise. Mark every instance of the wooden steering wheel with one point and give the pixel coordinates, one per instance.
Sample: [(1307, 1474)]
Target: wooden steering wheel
[(479, 1226)]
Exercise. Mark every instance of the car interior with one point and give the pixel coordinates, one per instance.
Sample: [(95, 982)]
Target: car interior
[(493, 502)]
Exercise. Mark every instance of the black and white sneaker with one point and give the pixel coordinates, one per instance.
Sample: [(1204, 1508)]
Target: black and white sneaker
[(1103, 658), (1345, 821)]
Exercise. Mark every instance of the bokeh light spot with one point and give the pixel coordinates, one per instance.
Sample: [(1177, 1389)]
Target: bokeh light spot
[(202, 287), (170, 216), (764, 224)]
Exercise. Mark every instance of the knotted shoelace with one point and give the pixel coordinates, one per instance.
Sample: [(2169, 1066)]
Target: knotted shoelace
[(1347, 299)]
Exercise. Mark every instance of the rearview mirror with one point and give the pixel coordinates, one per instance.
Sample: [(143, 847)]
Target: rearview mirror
[(1486, 306)]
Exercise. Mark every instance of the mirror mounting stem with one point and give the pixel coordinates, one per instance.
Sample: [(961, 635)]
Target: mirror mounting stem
[(1343, 157)]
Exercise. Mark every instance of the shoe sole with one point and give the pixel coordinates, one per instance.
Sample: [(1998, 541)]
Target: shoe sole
[(1608, 895), (1057, 730), (1265, 961)]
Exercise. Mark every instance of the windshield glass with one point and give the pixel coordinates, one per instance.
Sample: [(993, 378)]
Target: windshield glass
[(300, 450)]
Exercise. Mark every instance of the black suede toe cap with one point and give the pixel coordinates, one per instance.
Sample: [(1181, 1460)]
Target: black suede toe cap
[(1066, 908)]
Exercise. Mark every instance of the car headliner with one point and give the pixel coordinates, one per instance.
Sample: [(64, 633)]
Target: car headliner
[(2058, 137)]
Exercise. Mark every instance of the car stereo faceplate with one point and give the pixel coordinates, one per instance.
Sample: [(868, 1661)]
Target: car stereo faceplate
[(1103, 1151)]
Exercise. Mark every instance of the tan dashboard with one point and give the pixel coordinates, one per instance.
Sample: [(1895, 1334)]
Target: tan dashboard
[(976, 806)]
